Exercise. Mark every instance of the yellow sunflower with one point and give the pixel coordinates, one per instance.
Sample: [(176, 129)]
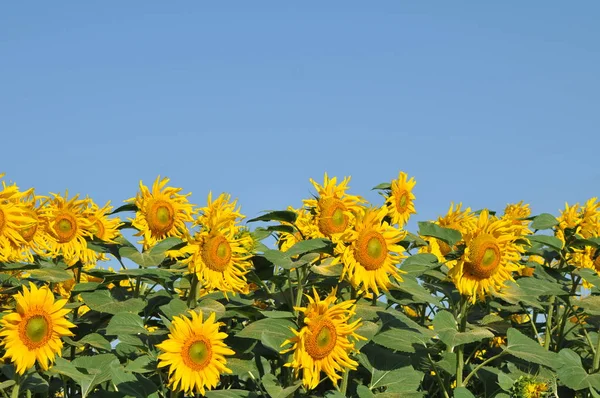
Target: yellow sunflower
[(305, 227), (569, 219), (456, 218), (590, 218), (195, 353), (35, 238), (333, 209), (68, 228), (489, 258), (34, 331), (326, 340), (400, 202), (14, 216), (372, 252), (516, 212), (220, 211), (161, 213)]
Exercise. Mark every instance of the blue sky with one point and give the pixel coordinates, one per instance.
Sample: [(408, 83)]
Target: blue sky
[(483, 102)]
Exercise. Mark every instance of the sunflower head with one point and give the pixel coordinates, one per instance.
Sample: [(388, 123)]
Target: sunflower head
[(17, 224), (372, 251), (400, 201), (333, 209), (101, 226), (68, 227), (34, 330), (529, 387), (325, 341), (517, 214), (161, 212), (490, 257), (219, 212), (194, 353)]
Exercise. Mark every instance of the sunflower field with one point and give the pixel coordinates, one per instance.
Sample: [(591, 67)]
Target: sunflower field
[(335, 298)]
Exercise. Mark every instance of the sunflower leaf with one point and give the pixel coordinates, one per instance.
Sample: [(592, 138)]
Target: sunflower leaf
[(529, 350), (125, 323), (550, 241), (277, 215), (448, 235), (572, 374), (544, 221)]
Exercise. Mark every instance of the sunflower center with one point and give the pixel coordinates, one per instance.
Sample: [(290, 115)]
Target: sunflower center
[(321, 341), (199, 354), (216, 253), (36, 330), (402, 202), (65, 227), (160, 217), (484, 257), (333, 219), (371, 250)]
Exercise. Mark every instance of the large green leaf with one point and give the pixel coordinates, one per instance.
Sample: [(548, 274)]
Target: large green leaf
[(544, 221), (310, 246), (152, 257), (529, 350), (208, 306), (572, 374), (462, 392), (277, 215), (274, 389), (55, 274), (446, 327), (280, 328), (174, 308), (417, 264), (231, 393), (97, 367), (448, 235), (546, 240), (96, 340), (68, 369), (133, 385), (102, 301), (125, 323)]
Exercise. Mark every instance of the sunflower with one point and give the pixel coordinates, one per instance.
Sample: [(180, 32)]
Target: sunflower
[(332, 209), (400, 202), (195, 353), (326, 340), (34, 331), (303, 228), (219, 254), (529, 387), (590, 218), (516, 213), (220, 211), (569, 219), (160, 213), (67, 228), (490, 256), (14, 217), (372, 251), (101, 228), (35, 238), (456, 218)]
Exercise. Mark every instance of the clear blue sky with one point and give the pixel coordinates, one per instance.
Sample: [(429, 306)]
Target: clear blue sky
[(483, 102)]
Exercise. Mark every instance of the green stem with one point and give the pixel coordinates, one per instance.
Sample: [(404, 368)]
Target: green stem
[(437, 376), (548, 336), (344, 385), (460, 363), (191, 301), (138, 283), (597, 355), (481, 365), (15, 391), (374, 300), (300, 289)]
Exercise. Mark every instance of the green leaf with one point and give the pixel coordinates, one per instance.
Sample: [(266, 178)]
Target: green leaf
[(462, 392), (278, 215), (66, 368), (97, 367), (280, 327), (54, 275), (133, 385), (278, 258), (448, 235), (550, 241), (125, 323), (141, 364), (126, 207), (367, 330), (271, 384), (572, 374), (544, 221), (85, 287), (102, 301), (529, 350), (383, 185), (208, 306), (417, 264), (446, 327), (364, 392), (154, 256), (327, 269), (310, 246), (96, 340), (174, 308), (231, 393), (591, 304), (277, 314), (420, 294), (400, 339)]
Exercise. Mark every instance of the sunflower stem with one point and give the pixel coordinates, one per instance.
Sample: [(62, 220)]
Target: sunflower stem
[(437, 376), (548, 336), (460, 363), (300, 289), (345, 378), (482, 364), (15, 391), (191, 301), (138, 282), (596, 366)]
